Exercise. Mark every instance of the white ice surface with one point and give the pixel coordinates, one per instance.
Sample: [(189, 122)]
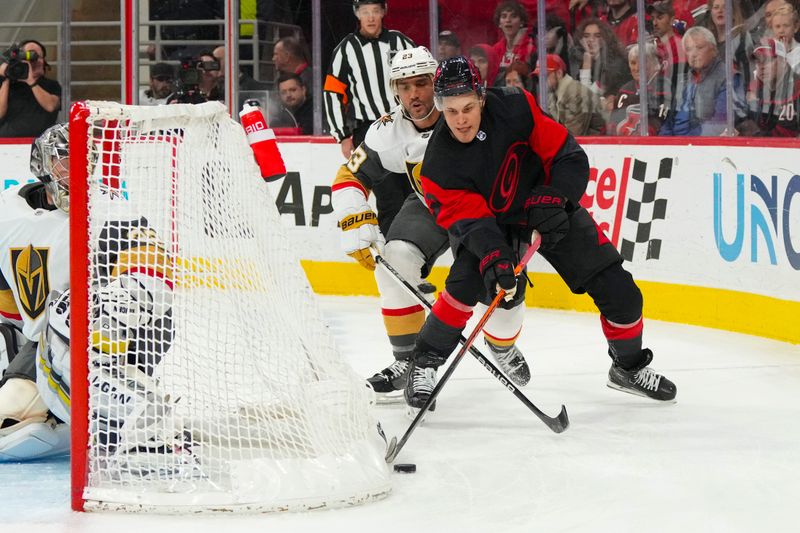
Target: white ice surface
[(725, 457)]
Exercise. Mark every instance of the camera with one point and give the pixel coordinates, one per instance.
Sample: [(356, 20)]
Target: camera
[(187, 83), (17, 59), (208, 66)]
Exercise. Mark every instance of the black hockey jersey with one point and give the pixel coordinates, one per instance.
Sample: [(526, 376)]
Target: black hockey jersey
[(484, 184)]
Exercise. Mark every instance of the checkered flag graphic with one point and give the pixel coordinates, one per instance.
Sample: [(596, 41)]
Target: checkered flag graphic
[(645, 210)]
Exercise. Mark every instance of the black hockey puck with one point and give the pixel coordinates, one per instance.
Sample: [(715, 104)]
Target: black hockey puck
[(406, 468)]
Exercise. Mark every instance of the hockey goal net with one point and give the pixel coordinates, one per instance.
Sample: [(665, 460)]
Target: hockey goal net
[(227, 393)]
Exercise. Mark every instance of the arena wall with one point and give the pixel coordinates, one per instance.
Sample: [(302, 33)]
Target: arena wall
[(710, 228)]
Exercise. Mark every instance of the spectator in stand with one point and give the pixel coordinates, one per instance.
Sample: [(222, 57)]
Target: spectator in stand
[(356, 79), (701, 108), (488, 63), (741, 41), (28, 105), (598, 61), (162, 79), (773, 101), (516, 44), (518, 75), (763, 17), (290, 56), (662, 16), (783, 27), (297, 109), (449, 45), (621, 16), (625, 116), (570, 102)]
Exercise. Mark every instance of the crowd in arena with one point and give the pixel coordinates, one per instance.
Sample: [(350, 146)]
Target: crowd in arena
[(594, 60), (593, 63)]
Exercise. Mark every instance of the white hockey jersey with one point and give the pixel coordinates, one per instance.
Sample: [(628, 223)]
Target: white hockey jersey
[(392, 145), (34, 256)]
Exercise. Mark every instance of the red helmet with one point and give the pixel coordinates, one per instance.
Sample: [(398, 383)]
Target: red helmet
[(454, 76)]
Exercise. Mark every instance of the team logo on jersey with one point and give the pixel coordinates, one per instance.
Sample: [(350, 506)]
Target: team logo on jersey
[(413, 171), (385, 120), (31, 277), (506, 182), (481, 135)]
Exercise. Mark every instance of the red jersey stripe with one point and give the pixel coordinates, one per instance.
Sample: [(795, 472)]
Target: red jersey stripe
[(451, 205), (547, 137)]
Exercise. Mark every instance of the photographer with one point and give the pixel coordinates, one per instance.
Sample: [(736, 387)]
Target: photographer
[(210, 76), (198, 80), (29, 101)]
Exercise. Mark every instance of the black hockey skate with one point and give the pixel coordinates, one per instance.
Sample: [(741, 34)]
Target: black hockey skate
[(390, 380), (511, 362), (421, 381), (642, 380)]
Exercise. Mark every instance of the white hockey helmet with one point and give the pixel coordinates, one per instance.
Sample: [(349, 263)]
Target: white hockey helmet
[(409, 63), (49, 162)]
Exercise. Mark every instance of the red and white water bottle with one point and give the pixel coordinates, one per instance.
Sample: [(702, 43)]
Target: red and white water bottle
[(262, 141)]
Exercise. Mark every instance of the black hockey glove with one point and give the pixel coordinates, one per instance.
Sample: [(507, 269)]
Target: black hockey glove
[(497, 269), (546, 208)]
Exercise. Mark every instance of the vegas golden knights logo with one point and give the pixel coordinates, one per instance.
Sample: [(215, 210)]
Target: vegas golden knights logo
[(412, 171), (31, 277)]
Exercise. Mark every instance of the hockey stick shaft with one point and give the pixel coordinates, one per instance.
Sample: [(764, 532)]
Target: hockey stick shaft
[(396, 446), (556, 424)]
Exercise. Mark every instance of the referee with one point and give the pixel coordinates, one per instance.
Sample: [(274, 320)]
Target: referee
[(359, 75)]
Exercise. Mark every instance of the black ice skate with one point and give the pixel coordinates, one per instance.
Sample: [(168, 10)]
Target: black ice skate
[(511, 362), (642, 380), (421, 381), (390, 380)]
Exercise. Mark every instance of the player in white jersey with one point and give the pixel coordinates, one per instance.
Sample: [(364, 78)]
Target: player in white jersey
[(393, 150), (34, 308)]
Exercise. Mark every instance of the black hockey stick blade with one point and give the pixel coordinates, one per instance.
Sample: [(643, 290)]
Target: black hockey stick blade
[(559, 423), (391, 450)]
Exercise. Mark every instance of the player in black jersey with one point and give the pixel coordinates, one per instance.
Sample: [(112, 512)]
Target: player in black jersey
[(495, 169)]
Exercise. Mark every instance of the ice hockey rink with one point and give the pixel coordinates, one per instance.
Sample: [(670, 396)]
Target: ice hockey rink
[(725, 457)]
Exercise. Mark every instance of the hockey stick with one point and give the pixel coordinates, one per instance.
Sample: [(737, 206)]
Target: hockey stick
[(558, 424)]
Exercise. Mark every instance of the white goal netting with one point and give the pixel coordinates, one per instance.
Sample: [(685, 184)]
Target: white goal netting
[(219, 387)]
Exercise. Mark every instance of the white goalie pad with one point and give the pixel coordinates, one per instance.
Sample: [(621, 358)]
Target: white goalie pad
[(35, 441)]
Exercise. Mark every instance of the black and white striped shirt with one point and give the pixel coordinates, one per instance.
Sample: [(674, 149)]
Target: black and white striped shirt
[(359, 77)]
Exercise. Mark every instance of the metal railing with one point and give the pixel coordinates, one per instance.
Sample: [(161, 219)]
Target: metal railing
[(264, 34)]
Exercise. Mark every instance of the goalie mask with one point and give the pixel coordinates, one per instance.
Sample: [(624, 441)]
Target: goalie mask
[(50, 163)]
